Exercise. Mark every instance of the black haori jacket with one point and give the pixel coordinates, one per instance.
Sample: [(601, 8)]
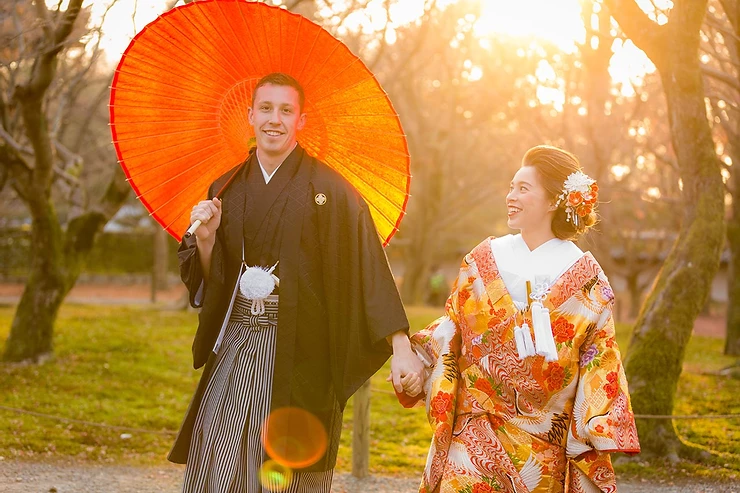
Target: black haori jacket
[(338, 300)]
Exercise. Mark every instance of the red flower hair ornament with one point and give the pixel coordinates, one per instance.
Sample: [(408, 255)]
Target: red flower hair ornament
[(579, 196)]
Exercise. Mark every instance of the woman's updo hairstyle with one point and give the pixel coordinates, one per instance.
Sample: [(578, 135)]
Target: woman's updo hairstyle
[(554, 166)]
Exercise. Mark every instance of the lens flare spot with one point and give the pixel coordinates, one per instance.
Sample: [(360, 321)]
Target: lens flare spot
[(294, 437), (275, 477)]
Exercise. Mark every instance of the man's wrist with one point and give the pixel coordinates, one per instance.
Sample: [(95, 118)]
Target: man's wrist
[(205, 243), (400, 341)]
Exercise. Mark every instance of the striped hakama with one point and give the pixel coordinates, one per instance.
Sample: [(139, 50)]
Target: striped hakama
[(226, 450)]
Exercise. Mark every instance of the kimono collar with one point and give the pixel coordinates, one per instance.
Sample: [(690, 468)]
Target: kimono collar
[(517, 264)]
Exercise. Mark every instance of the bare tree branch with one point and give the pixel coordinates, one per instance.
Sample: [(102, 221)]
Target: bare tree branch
[(645, 33), (720, 76), (18, 148), (43, 13)]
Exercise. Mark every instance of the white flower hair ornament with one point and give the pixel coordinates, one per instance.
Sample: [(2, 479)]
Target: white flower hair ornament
[(579, 196)]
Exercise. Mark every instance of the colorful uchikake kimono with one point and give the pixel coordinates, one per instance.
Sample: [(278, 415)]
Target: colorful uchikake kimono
[(506, 423)]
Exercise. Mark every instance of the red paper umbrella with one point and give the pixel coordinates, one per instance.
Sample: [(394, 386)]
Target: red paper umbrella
[(180, 96)]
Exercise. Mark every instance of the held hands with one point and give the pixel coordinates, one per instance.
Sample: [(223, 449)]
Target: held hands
[(406, 368), (208, 212)]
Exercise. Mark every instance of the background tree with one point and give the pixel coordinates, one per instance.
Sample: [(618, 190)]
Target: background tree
[(50, 126), (654, 361), (721, 65)]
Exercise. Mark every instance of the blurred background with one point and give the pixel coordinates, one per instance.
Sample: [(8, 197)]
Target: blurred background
[(646, 93)]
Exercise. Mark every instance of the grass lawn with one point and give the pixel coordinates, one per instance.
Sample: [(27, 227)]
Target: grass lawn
[(131, 366)]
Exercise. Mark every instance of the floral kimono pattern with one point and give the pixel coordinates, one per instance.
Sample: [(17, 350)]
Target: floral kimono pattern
[(505, 424)]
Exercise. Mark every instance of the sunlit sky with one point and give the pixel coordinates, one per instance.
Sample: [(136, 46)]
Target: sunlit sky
[(554, 21)]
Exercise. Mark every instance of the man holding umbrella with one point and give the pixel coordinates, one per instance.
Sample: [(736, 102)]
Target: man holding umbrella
[(299, 308)]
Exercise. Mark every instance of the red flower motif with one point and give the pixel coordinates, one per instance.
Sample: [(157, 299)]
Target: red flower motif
[(462, 297), (594, 188), (599, 428), (590, 456), (440, 405), (563, 330), (484, 385), (482, 488), (575, 198), (495, 421), (611, 388), (554, 376)]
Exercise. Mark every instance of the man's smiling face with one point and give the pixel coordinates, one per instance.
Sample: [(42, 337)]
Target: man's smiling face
[(276, 117)]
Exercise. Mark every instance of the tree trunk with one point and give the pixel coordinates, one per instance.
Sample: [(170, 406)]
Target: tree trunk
[(656, 352), (633, 286), (57, 255), (33, 325), (425, 213), (159, 266), (732, 340)]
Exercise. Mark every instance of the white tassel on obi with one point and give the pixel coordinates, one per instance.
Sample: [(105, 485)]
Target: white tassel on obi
[(524, 344), (256, 284), (518, 266), (544, 341)]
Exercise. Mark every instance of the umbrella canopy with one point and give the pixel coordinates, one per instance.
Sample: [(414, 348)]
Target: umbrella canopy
[(180, 95)]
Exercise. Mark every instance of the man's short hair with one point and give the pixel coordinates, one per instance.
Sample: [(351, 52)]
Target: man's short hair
[(280, 79)]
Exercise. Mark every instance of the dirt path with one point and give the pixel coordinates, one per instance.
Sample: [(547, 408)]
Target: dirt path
[(33, 477)]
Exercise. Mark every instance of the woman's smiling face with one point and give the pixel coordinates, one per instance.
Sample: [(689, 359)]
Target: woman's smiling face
[(528, 204)]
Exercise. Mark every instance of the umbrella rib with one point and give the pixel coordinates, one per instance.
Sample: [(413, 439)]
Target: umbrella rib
[(162, 83), (160, 149), (229, 75), (376, 177), (173, 110), (170, 200), (148, 61), (362, 115), (261, 23), (245, 55), (208, 18), (251, 38), (362, 141), (336, 45), (162, 97), (138, 121), (358, 100), (315, 39), (163, 134), (365, 130), (295, 45), (381, 214), (173, 177), (363, 180), (182, 51), (380, 166), (354, 59)]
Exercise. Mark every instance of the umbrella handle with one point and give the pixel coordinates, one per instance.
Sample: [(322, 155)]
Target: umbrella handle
[(192, 228)]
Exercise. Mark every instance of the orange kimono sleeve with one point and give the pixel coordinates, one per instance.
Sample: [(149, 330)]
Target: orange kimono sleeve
[(603, 421)]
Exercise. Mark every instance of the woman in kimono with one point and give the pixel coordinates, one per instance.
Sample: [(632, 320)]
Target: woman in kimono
[(525, 389)]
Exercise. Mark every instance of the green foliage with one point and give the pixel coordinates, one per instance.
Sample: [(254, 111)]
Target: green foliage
[(130, 366), (112, 253)]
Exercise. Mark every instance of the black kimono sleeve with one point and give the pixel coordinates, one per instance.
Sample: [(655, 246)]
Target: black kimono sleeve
[(366, 308), (191, 272)]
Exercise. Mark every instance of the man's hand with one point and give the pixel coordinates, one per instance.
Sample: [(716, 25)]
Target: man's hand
[(406, 367), (209, 214)]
